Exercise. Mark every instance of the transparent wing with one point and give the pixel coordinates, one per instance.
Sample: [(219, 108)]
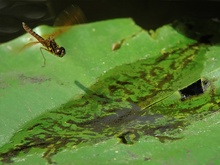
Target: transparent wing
[(70, 16)]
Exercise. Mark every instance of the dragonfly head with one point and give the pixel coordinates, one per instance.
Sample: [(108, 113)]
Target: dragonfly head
[(60, 51)]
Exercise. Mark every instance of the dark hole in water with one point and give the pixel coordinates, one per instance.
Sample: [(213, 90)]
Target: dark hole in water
[(206, 39), (196, 88), (123, 139), (127, 138)]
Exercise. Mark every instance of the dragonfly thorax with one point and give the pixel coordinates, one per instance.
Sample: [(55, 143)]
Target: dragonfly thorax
[(54, 48)]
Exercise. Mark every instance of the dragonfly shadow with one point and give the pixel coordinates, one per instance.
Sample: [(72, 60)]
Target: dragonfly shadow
[(97, 96)]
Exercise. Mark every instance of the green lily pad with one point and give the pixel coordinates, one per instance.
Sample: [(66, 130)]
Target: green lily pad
[(153, 99)]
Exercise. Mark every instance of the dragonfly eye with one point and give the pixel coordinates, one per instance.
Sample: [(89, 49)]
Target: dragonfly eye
[(60, 51)]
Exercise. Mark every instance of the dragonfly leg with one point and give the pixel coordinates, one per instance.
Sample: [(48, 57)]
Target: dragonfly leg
[(43, 56)]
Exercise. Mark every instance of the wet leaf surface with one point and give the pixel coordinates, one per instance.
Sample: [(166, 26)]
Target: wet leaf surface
[(153, 90)]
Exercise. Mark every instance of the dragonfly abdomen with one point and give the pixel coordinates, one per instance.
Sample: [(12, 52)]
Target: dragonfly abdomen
[(29, 30)]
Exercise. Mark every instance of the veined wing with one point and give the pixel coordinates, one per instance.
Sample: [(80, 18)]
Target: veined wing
[(70, 16)]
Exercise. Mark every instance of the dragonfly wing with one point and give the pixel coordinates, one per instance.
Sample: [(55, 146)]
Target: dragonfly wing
[(70, 16), (17, 49)]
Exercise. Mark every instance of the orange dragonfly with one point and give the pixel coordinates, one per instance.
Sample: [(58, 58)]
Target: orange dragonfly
[(71, 15)]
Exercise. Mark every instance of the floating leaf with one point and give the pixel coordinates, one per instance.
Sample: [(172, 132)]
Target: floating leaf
[(154, 91)]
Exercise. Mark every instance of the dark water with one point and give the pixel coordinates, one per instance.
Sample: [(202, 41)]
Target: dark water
[(148, 14)]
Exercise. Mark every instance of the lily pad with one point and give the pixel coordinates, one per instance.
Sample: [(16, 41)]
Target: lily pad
[(153, 99)]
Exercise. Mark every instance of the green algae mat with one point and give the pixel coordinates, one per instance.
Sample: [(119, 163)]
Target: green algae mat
[(120, 95)]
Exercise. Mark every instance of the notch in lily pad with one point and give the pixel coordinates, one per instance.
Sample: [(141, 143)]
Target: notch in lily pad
[(196, 88), (129, 137)]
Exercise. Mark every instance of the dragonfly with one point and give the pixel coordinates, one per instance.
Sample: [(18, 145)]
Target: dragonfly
[(71, 15), (49, 44)]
